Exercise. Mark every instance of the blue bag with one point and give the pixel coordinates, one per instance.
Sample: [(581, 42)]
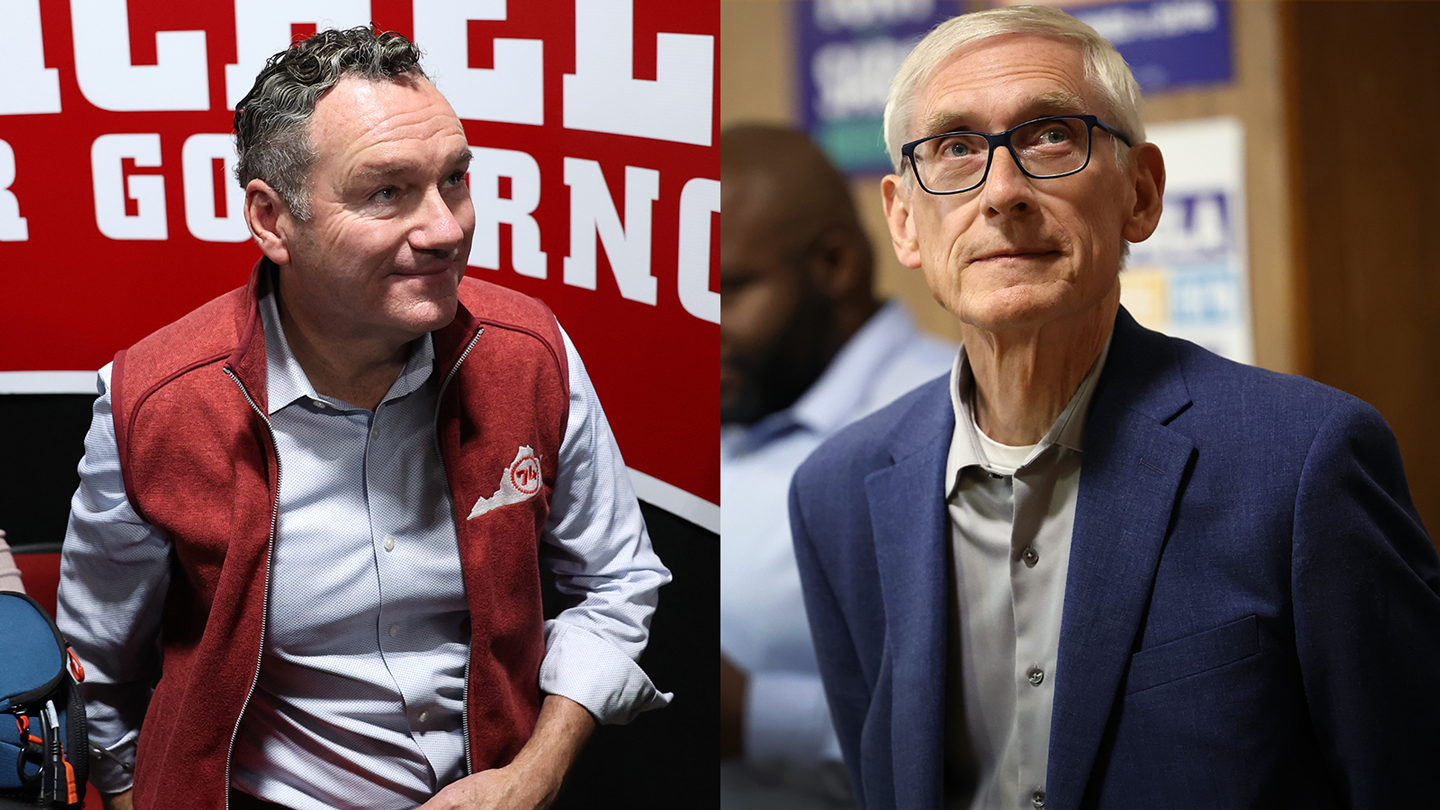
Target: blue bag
[(44, 749)]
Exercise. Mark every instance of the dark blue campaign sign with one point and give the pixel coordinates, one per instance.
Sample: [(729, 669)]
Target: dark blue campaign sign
[(1168, 43), (847, 53)]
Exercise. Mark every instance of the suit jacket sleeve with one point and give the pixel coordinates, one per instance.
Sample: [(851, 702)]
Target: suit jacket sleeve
[(1366, 593), (845, 687)]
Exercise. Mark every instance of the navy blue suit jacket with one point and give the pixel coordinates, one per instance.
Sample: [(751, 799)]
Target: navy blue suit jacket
[(1251, 618)]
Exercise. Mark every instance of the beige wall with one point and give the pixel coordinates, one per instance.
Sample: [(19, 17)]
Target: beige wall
[(758, 83)]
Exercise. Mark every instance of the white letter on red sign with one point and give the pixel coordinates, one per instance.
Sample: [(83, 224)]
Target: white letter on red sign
[(262, 29), (698, 200), (112, 187), (602, 94), (491, 210), (592, 213), (512, 92), (29, 86), (179, 79), (197, 158), (13, 227)]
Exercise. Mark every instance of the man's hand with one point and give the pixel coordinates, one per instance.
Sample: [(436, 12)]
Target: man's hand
[(497, 788), (732, 709), (117, 801), (533, 779)]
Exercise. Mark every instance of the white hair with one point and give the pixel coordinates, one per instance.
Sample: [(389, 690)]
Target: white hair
[(1105, 68)]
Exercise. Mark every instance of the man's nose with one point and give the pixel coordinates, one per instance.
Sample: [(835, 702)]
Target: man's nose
[(437, 225), (1007, 189)]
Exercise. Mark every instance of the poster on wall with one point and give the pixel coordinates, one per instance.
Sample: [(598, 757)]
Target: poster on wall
[(846, 53), (1191, 279), (1169, 44), (595, 183)]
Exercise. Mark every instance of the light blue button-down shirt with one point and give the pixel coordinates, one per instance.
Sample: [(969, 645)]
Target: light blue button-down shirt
[(361, 689)]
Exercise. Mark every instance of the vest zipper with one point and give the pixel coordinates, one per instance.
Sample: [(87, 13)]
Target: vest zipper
[(270, 553), (469, 650), (265, 598)]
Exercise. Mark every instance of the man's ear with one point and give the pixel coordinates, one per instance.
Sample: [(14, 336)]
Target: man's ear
[(1149, 183), (901, 220), (838, 263), (269, 220)]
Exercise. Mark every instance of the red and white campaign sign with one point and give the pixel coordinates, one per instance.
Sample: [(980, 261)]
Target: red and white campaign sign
[(595, 184)]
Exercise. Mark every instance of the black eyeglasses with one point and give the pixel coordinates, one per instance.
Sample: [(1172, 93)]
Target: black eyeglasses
[(1054, 146)]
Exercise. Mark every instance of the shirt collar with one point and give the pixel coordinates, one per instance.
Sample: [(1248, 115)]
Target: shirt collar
[(831, 401), (286, 382), (1068, 430)]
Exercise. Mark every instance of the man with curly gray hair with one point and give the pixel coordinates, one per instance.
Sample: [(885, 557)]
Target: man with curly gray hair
[(319, 504), (272, 121), (1095, 565)]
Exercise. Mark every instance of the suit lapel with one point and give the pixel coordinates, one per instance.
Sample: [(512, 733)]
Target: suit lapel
[(910, 529), (1131, 474)]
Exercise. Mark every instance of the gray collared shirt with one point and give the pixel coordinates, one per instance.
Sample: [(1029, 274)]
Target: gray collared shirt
[(1012, 510)]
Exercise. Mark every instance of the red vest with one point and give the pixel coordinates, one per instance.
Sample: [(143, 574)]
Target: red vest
[(200, 465)]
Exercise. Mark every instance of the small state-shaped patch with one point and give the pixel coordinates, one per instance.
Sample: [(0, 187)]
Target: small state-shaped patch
[(519, 482)]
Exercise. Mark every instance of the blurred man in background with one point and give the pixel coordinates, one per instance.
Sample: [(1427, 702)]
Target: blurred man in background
[(805, 348)]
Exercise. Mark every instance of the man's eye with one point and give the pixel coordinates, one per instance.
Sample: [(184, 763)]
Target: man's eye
[(386, 194), (456, 179), (733, 283), (957, 148), (1055, 135)]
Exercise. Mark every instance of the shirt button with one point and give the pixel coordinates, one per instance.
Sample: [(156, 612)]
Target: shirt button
[(424, 716), (375, 434), (1031, 557), (394, 630), (1037, 675), (1037, 799), (319, 404), (389, 542)]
